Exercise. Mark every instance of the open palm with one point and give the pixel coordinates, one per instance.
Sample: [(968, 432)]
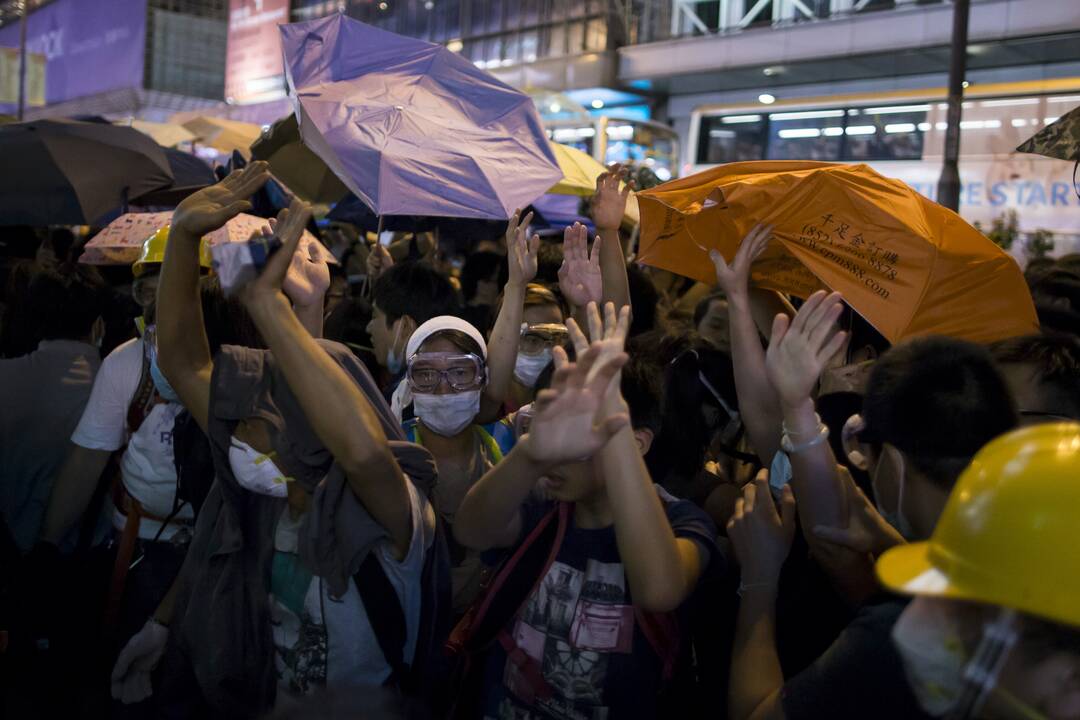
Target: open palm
[(734, 278), (580, 278), (565, 426), (308, 276), (212, 207)]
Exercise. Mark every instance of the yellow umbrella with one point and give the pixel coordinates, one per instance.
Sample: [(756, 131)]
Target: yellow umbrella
[(224, 135), (579, 177), (164, 134), (909, 266)]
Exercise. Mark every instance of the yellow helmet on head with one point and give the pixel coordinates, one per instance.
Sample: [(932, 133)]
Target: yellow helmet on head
[(1007, 535), (153, 252)]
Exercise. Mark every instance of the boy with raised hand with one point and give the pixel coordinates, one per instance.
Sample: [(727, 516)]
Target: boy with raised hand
[(581, 643)]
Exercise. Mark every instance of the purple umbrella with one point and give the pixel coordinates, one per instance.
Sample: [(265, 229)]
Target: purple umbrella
[(412, 128)]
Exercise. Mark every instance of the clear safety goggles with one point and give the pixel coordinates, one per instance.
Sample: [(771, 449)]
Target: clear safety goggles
[(535, 339), (461, 371)]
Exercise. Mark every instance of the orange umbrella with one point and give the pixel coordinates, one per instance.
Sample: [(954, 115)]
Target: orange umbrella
[(907, 265)]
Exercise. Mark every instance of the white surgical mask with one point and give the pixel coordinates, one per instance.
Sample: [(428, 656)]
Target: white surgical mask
[(447, 414), (895, 517), (527, 368), (933, 654), (255, 471)]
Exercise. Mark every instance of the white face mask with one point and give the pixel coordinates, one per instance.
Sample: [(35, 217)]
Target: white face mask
[(527, 368), (933, 655), (896, 518), (393, 357), (256, 472), (447, 414)]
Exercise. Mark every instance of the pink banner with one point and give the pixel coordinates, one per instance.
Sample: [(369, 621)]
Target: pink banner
[(253, 68)]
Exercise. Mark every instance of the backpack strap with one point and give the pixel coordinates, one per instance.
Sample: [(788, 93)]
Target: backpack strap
[(662, 632)]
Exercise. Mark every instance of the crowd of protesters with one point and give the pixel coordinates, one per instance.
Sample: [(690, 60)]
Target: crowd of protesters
[(544, 483)]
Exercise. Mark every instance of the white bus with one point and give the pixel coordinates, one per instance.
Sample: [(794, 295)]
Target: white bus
[(901, 135)]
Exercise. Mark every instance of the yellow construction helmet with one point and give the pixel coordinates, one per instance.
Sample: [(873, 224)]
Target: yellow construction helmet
[(1008, 534), (153, 252)]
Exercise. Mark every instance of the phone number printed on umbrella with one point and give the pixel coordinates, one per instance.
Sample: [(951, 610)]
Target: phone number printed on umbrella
[(838, 242)]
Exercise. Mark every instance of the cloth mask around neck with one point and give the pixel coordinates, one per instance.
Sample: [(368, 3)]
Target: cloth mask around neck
[(933, 654), (447, 414), (256, 472)]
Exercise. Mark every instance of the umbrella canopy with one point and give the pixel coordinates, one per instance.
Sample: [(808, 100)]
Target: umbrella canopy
[(62, 172), (412, 128), (907, 265), (224, 135), (164, 134), (121, 241), (294, 164), (580, 172), (1060, 139), (190, 173)]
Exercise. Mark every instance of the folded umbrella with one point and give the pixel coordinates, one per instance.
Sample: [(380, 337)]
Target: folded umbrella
[(295, 165), (63, 172), (907, 265), (412, 128)]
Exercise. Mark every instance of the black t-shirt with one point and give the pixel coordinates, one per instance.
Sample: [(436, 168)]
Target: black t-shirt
[(860, 676), (580, 628)]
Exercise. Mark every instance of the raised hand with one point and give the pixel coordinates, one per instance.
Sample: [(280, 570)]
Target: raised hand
[(609, 202), (760, 535), (212, 207), (800, 349), (379, 260), (308, 276), (289, 227), (608, 333), (867, 530), (734, 279), (521, 253), (580, 279), (565, 425), (130, 682)]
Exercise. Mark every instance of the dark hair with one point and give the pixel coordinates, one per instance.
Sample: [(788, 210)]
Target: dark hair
[(64, 303), (644, 299), (226, 320), (1056, 357), (938, 400), (537, 294), (1054, 285), (414, 289), (463, 342), (702, 308), (549, 259), (861, 334), (642, 389), (481, 265), (685, 433)]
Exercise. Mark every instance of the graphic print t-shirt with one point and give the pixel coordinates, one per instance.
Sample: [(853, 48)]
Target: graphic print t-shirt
[(579, 628)]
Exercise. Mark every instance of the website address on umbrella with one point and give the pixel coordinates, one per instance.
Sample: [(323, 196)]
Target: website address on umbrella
[(849, 265)]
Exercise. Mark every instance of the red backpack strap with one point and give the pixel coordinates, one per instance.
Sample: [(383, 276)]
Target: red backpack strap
[(144, 399), (662, 632)]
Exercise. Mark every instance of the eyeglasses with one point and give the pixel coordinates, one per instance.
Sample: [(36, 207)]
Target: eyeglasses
[(535, 339), (461, 371)]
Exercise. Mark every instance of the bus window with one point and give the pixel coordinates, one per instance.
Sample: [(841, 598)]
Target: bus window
[(731, 138), (805, 135), (886, 133)]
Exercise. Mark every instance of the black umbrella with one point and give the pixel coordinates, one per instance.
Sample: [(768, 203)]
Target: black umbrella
[(190, 174), (64, 172)]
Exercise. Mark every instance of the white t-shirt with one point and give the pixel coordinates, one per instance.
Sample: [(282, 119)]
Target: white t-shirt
[(330, 640), (146, 467)]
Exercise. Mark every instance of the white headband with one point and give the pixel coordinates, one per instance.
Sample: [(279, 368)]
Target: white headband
[(439, 324)]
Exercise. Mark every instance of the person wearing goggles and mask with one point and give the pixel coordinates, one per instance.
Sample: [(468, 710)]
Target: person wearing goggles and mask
[(446, 377)]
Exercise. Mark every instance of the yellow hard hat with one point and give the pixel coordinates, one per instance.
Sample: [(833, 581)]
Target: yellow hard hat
[(1008, 534), (153, 252)]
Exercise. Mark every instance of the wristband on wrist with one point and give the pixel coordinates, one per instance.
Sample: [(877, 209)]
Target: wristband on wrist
[(789, 447)]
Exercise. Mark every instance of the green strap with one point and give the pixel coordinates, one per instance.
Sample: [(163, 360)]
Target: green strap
[(486, 440)]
